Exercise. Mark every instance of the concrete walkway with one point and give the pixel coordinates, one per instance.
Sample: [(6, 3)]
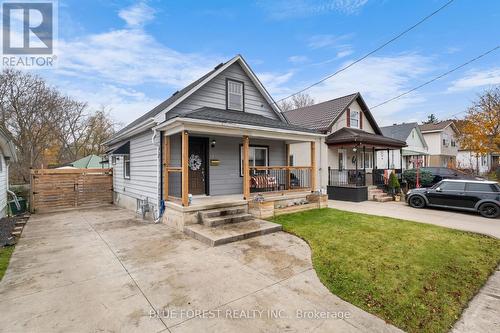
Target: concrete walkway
[(103, 270), (483, 312)]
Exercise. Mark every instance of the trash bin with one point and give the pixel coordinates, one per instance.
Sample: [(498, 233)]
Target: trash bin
[(13, 207)]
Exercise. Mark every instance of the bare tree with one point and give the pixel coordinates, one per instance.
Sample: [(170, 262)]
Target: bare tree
[(47, 127), (297, 101)]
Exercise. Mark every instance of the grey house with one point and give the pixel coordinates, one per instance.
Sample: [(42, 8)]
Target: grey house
[(220, 139)]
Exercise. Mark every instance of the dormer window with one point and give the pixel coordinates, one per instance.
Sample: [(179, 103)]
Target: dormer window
[(234, 95), (354, 119)]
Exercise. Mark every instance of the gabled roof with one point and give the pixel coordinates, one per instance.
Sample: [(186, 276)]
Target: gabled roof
[(347, 135), (437, 127), (242, 118), (87, 162), (323, 115), (179, 96), (402, 131), (7, 146)]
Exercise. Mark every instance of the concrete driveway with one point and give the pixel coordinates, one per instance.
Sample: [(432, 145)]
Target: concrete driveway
[(445, 218), (104, 270)]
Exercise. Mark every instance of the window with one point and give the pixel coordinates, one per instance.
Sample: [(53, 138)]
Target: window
[(452, 186), (354, 119), (368, 162), (235, 94), (257, 156), (342, 159), (113, 160), (478, 187), (453, 143), (126, 166), (291, 160)]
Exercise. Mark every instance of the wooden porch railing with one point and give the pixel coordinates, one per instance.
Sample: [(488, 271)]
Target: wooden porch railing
[(280, 178)]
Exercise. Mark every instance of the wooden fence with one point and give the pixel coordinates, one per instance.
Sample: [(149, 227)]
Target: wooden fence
[(56, 189)]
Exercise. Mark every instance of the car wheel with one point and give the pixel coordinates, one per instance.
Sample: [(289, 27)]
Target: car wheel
[(417, 201), (489, 210)]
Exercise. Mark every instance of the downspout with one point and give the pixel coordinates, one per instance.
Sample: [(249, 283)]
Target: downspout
[(156, 212)]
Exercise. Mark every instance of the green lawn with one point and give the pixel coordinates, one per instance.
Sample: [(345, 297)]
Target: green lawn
[(5, 253), (415, 276)]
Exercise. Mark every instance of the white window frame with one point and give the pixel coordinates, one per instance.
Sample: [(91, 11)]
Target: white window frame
[(369, 160), (354, 116), (230, 84), (251, 156), (113, 160), (126, 159)]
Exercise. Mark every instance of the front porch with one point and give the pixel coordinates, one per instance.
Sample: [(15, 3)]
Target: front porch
[(353, 172), (217, 166)]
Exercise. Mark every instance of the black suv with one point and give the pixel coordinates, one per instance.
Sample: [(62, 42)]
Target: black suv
[(447, 173), (471, 195)]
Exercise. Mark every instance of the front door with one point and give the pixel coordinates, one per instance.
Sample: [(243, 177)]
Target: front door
[(198, 170)]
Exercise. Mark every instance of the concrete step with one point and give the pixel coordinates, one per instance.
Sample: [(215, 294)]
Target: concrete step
[(222, 212), (228, 233), (383, 199), (16, 233), (226, 219)]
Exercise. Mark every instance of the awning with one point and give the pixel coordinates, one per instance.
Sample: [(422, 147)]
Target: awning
[(413, 153), (122, 150), (346, 136)]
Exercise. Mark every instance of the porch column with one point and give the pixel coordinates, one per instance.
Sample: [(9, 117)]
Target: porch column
[(185, 168), (364, 166), (287, 175), (313, 166), (246, 167), (401, 159), (166, 164), (388, 160)]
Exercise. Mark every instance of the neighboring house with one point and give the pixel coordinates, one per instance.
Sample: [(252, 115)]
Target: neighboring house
[(220, 139), (7, 155), (479, 164), (88, 162), (441, 139), (353, 140), (415, 150)]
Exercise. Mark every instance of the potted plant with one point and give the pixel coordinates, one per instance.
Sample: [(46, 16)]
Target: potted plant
[(394, 187)]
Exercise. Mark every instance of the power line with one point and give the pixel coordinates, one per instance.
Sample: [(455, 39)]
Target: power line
[(371, 52), (437, 77)]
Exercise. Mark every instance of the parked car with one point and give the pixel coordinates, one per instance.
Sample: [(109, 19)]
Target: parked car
[(448, 173), (469, 195)]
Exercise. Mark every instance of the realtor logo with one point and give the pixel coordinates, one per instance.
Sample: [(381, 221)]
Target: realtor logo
[(28, 32)]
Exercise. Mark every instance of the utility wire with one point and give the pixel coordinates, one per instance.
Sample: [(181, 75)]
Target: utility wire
[(437, 77), (371, 52)]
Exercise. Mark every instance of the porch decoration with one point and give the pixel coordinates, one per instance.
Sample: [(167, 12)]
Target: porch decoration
[(194, 162)]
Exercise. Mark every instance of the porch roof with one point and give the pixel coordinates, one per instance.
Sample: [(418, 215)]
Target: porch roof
[(239, 117), (355, 136)]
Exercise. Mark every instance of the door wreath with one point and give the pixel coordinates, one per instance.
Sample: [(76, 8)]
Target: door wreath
[(194, 162)]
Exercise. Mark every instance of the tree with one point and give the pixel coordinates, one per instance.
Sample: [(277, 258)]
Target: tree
[(431, 119), (297, 101), (480, 129), (47, 127)]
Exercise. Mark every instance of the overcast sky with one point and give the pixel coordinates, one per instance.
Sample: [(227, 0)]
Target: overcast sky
[(131, 55)]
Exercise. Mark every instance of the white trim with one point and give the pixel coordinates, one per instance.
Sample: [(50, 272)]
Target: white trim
[(238, 129)]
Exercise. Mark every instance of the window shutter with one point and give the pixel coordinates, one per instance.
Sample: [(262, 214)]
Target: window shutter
[(348, 114), (361, 120)]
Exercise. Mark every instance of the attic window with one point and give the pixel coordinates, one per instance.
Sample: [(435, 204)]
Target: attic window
[(354, 119), (234, 98)]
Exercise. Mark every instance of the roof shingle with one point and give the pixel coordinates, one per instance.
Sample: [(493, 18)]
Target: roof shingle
[(399, 132)]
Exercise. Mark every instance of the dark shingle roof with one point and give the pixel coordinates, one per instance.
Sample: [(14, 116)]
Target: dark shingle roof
[(240, 117), (435, 127), (320, 116), (347, 135), (163, 105), (399, 132)]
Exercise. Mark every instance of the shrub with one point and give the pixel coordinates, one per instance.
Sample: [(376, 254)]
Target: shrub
[(393, 185), (410, 176)]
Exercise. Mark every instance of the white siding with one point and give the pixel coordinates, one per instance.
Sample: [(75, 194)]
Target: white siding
[(144, 168), (213, 94), (3, 186)]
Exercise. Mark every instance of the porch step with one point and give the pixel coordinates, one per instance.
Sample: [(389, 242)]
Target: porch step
[(232, 232), (383, 198), (222, 212), (226, 219)]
